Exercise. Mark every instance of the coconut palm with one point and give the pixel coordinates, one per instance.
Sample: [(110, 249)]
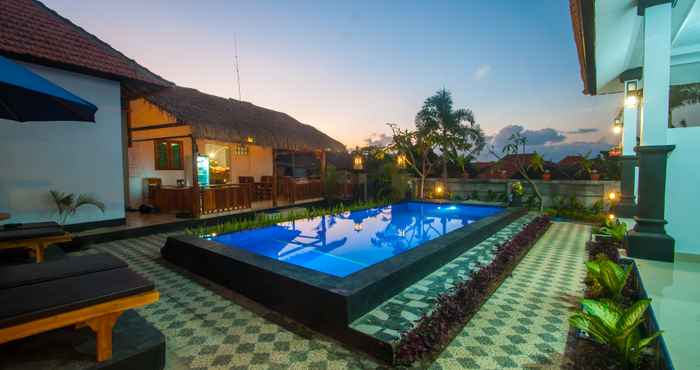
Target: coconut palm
[(67, 204), (456, 129)]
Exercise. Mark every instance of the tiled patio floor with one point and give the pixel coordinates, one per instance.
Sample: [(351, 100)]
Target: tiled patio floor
[(523, 323)]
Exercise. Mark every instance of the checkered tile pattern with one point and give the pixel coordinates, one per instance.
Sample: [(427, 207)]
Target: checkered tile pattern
[(523, 323), (400, 313)]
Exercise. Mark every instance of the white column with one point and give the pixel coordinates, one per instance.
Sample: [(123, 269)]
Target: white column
[(657, 73), (629, 129)]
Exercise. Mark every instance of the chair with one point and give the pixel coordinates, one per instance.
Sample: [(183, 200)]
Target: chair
[(88, 291), (33, 236)]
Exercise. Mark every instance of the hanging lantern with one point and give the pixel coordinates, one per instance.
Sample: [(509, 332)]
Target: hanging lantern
[(401, 161)]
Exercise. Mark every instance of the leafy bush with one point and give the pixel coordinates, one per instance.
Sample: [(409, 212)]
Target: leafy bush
[(609, 324), (491, 196), (609, 276), (453, 308), (474, 195), (614, 229), (573, 209)]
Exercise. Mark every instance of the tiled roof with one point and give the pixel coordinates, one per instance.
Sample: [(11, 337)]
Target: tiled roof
[(571, 160), (31, 31)]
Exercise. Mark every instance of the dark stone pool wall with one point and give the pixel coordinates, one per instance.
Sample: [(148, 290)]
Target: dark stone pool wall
[(323, 302)]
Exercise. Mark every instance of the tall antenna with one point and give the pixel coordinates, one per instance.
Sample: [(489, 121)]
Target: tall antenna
[(235, 65)]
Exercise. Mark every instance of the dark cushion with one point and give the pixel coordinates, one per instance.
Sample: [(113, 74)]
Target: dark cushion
[(14, 276), (31, 225), (30, 233), (30, 302)]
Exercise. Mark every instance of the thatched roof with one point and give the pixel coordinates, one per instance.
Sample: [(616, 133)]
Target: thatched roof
[(216, 118)]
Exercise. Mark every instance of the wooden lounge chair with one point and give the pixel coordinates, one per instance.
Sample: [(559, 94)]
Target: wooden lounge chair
[(90, 291), (34, 236)]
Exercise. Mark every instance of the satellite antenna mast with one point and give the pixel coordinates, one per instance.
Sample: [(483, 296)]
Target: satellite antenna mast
[(235, 64)]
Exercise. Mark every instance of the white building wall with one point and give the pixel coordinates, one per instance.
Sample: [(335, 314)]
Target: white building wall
[(75, 157), (683, 189)]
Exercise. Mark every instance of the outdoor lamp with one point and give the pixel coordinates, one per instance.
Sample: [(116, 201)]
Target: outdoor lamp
[(617, 127), (439, 189), (357, 164), (632, 94), (611, 217), (401, 161), (250, 139), (612, 196)]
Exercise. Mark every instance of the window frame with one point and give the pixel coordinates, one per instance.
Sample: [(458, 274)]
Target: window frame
[(170, 166)]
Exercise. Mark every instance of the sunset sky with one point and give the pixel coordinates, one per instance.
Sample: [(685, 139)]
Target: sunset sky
[(349, 68)]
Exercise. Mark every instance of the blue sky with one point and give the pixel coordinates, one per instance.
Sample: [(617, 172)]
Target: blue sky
[(350, 67)]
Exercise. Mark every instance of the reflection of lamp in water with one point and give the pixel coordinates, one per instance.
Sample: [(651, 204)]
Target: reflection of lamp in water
[(357, 227)]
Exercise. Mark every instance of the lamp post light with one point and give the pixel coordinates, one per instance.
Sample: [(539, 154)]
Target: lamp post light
[(617, 127), (632, 94)]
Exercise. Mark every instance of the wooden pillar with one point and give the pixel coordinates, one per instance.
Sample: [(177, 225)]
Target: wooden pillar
[(323, 172), (196, 192), (274, 177)]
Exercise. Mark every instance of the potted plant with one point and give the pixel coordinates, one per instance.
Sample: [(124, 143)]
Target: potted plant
[(546, 176)]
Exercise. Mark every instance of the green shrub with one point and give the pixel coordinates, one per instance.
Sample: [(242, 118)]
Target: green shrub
[(608, 275), (609, 324), (474, 195), (614, 229)]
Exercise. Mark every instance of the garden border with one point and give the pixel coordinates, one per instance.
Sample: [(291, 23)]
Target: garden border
[(434, 332)]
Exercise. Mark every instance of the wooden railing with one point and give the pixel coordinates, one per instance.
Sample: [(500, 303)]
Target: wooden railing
[(297, 190), (225, 198)]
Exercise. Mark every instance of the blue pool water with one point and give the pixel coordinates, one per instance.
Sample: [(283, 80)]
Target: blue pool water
[(342, 244)]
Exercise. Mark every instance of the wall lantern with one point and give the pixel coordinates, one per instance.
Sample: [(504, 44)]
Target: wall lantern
[(632, 94), (401, 161), (358, 161), (250, 139), (617, 127), (612, 196)]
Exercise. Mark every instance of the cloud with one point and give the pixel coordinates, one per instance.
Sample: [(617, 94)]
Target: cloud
[(548, 142), (582, 131), (377, 139), (482, 72), (534, 137)]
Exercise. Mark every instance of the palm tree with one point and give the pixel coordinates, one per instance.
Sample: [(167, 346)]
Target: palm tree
[(67, 204), (456, 130)]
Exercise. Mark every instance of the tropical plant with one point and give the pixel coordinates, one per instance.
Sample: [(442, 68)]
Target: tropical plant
[(458, 136), (585, 165), (536, 162), (614, 229), (609, 324), (516, 145), (67, 204), (610, 276), (417, 147), (474, 195)]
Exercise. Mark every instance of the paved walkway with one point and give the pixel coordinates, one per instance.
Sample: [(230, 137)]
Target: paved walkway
[(523, 323)]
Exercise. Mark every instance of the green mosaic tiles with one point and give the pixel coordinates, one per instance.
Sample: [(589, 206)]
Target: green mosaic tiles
[(523, 323), (400, 313)]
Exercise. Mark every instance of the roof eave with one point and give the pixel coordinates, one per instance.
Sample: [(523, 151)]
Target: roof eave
[(583, 22)]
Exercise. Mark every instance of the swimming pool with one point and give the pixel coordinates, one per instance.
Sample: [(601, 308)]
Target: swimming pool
[(343, 244)]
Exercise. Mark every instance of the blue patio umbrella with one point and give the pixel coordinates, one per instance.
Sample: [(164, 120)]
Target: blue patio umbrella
[(26, 96)]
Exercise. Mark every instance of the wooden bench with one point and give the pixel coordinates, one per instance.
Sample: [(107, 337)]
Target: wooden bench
[(73, 294), (35, 236)]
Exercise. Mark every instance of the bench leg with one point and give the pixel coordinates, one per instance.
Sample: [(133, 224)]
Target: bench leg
[(102, 326)]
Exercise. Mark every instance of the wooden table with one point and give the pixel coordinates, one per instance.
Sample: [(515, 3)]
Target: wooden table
[(4, 216)]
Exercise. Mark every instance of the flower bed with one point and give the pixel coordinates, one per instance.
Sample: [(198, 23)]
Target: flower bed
[(456, 307), (583, 352)]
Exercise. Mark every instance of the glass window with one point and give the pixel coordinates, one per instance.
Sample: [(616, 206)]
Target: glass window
[(219, 163), (684, 105), (168, 155), (240, 149)]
